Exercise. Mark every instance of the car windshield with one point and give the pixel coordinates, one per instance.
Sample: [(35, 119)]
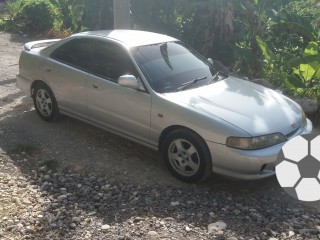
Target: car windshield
[(172, 66)]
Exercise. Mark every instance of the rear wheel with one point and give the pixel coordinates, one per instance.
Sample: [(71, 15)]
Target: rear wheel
[(187, 156), (45, 102)]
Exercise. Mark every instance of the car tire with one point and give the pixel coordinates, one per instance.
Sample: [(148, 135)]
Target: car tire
[(45, 103), (187, 156)]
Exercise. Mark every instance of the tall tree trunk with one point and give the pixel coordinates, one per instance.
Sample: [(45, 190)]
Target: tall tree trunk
[(121, 10), (219, 16)]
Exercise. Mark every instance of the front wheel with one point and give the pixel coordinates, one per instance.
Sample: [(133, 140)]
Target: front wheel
[(45, 102), (187, 156)]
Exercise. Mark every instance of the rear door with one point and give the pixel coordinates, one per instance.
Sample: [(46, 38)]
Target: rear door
[(67, 72)]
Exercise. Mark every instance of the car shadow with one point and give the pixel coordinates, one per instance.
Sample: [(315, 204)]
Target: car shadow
[(112, 180), (10, 98), (8, 81)]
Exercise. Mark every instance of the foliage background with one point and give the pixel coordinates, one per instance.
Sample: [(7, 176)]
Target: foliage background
[(273, 39)]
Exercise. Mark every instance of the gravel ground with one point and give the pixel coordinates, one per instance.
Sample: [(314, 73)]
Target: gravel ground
[(69, 180)]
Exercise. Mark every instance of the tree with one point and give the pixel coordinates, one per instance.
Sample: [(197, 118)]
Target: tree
[(121, 14)]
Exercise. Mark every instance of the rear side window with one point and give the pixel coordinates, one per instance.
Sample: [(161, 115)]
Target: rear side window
[(76, 53), (103, 59)]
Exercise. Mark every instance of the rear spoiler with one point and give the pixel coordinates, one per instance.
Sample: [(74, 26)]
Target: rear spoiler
[(28, 46)]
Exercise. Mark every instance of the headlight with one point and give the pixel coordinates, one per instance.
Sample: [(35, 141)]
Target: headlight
[(254, 143)]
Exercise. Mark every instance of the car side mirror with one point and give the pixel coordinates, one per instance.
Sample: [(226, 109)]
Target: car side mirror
[(210, 61), (130, 81)]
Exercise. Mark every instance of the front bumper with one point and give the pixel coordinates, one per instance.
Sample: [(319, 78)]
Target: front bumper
[(247, 165)]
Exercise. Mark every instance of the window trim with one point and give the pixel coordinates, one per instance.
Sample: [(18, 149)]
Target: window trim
[(68, 63), (141, 78)]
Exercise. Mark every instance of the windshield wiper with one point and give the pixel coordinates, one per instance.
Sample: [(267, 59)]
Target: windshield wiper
[(215, 77), (187, 84)]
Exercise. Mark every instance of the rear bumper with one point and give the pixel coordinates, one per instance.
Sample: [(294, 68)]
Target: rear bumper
[(244, 164), (24, 83)]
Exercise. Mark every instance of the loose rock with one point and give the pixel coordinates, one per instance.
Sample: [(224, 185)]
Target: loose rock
[(309, 106), (152, 235), (175, 204), (217, 226), (105, 227)]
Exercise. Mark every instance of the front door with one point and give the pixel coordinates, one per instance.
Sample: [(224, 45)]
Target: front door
[(120, 109)]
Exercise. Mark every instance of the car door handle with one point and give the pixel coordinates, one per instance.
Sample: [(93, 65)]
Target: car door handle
[(95, 86), (47, 69)]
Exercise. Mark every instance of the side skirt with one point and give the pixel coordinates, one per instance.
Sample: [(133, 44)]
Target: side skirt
[(146, 144)]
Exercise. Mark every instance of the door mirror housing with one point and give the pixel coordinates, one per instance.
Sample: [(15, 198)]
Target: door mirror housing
[(210, 61), (130, 81)]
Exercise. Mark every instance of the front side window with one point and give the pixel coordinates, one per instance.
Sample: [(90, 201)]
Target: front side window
[(170, 65), (111, 61)]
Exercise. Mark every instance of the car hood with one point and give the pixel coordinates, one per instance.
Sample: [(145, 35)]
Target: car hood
[(253, 108)]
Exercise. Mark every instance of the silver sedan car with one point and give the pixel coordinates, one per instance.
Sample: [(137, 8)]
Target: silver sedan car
[(155, 90)]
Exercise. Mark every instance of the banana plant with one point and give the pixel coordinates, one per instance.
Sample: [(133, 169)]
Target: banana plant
[(295, 23), (305, 70), (253, 19), (307, 67)]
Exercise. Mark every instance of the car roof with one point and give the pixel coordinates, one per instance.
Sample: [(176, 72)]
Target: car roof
[(130, 38)]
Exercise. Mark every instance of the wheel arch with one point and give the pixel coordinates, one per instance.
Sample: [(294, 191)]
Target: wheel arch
[(172, 128), (34, 84), (205, 165), (48, 115)]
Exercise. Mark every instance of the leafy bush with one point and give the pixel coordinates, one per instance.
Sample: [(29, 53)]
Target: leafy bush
[(292, 56), (30, 16), (269, 39), (38, 15), (2, 25), (306, 71), (9, 16)]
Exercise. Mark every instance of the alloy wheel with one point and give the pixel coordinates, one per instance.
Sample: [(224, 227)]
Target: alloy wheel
[(44, 102), (184, 157)]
